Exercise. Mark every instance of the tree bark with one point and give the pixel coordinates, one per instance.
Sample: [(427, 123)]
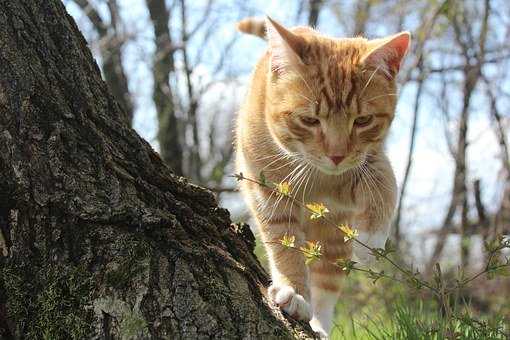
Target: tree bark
[(103, 241)]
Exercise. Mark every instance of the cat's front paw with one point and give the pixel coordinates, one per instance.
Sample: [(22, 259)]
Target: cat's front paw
[(290, 302)]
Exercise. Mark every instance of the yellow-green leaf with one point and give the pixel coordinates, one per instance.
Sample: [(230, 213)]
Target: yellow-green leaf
[(283, 188), (349, 232), (311, 252), (318, 210), (288, 241)]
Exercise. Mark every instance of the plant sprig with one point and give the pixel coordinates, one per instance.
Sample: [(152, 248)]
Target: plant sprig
[(318, 211)]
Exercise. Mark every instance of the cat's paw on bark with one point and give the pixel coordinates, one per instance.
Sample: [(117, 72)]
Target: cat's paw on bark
[(290, 302)]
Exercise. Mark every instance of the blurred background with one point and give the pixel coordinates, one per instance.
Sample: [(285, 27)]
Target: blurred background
[(180, 70)]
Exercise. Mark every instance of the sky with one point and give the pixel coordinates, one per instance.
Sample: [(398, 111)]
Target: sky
[(430, 182)]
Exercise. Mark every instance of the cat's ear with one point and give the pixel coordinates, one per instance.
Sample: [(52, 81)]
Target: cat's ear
[(286, 48), (388, 53)]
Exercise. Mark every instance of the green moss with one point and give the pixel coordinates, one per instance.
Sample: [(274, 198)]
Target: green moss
[(131, 323), (133, 326), (130, 264), (128, 273), (50, 304)]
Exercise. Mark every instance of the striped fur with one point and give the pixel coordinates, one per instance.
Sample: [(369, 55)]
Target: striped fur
[(305, 78)]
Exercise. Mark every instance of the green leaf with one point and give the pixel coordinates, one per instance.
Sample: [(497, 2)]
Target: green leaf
[(312, 252), (288, 241), (346, 265), (389, 247), (318, 210), (262, 178)]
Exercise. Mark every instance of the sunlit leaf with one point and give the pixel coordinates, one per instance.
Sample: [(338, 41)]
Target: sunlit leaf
[(283, 188), (288, 241), (312, 251), (349, 232), (318, 210), (346, 265)]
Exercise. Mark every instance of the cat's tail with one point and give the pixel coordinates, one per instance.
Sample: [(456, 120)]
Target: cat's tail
[(253, 25)]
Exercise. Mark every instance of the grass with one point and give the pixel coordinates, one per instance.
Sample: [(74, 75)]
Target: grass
[(410, 319), (389, 310)]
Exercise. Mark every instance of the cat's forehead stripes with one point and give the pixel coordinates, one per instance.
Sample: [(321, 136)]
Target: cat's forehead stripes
[(339, 79)]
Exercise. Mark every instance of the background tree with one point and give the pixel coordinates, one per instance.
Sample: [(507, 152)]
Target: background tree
[(169, 136)]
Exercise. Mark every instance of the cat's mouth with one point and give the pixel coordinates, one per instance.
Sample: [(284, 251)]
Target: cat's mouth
[(336, 170), (332, 171)]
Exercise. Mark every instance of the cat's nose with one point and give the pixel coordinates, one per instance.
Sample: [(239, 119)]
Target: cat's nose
[(336, 159)]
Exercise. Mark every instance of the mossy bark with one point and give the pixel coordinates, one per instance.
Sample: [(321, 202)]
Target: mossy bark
[(103, 240)]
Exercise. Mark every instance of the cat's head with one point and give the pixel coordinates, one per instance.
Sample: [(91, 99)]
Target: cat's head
[(331, 100)]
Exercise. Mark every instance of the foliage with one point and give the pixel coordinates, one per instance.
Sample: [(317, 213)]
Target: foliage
[(408, 322), (407, 318)]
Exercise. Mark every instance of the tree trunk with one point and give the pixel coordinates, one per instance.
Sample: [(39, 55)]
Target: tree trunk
[(103, 240), (110, 47), (315, 9), (169, 139)]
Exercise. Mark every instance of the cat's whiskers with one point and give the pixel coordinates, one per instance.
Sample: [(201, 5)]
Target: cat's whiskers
[(295, 177), (312, 170), (283, 157), (366, 189), (280, 197), (375, 187), (279, 154), (267, 167), (299, 181), (374, 172), (378, 174)]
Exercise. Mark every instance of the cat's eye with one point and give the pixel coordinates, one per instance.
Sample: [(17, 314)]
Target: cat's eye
[(310, 121), (363, 120)]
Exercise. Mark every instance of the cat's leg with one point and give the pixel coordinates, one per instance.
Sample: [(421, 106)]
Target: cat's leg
[(289, 288), (323, 309), (325, 283), (276, 219)]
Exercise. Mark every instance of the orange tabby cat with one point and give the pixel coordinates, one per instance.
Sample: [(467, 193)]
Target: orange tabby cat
[(316, 116)]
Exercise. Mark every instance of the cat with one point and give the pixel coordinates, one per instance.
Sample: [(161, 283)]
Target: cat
[(316, 115)]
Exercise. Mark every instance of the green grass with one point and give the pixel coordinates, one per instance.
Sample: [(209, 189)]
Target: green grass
[(389, 310), (412, 320)]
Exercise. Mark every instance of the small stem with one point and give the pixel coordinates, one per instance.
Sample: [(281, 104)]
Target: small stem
[(364, 270), (422, 282)]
